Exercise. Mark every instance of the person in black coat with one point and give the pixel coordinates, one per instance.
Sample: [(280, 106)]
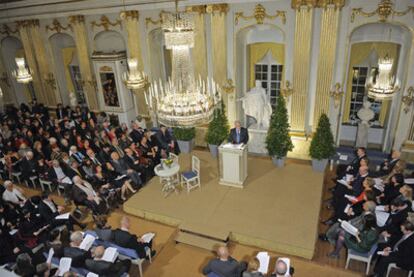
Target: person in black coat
[(104, 268), (73, 251), (166, 141), (388, 165), (238, 134), (398, 214), (124, 238), (402, 253), (28, 166)]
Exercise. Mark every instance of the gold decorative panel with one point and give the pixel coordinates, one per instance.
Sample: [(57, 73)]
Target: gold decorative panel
[(385, 9), (260, 15), (57, 27), (106, 23)]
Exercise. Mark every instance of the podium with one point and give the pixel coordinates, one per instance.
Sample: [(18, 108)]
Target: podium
[(233, 164)]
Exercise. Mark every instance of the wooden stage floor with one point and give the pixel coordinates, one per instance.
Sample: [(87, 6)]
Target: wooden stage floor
[(277, 210)]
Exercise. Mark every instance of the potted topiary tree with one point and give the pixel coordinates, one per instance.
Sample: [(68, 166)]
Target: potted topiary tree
[(218, 130), (322, 145), (185, 138), (278, 141)]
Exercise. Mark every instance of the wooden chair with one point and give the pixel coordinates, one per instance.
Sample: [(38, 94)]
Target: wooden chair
[(191, 179)]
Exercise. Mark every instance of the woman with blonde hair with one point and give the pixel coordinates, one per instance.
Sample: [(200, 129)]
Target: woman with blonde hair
[(253, 269)]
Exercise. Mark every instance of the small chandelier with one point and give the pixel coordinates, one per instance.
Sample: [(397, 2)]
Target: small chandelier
[(183, 101), (134, 79), (22, 73), (382, 84)]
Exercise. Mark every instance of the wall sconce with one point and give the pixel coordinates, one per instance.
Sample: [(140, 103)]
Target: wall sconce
[(5, 79), (90, 82), (50, 80), (408, 99), (288, 90), (336, 94)]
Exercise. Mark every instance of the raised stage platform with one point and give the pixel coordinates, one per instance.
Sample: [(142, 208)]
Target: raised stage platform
[(277, 210)]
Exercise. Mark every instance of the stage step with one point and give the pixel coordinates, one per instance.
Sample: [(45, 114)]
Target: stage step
[(199, 241)]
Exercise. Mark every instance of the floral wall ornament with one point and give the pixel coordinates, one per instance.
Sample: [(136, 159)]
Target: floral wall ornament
[(408, 99), (50, 80), (336, 94), (260, 15), (384, 10), (287, 90), (57, 27), (149, 20), (228, 87), (6, 30), (106, 23)]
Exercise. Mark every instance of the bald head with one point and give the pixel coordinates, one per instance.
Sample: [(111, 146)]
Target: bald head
[(99, 252), (223, 253)]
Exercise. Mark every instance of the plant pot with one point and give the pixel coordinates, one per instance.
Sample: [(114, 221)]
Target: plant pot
[(186, 146), (319, 165), (278, 162), (213, 150)]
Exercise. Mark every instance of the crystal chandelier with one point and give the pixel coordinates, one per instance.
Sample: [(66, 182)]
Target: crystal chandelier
[(183, 101), (22, 73), (383, 84), (134, 79)]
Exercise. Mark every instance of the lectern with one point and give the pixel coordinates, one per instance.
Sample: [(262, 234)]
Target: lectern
[(233, 164)]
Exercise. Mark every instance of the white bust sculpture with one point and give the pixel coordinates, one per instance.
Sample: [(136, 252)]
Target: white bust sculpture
[(72, 99), (365, 114), (257, 105)]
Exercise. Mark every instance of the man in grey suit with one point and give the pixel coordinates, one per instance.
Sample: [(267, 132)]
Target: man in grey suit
[(121, 167), (224, 265)]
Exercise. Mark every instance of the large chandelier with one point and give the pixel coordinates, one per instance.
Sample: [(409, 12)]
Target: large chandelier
[(22, 73), (134, 79), (383, 84), (182, 101)]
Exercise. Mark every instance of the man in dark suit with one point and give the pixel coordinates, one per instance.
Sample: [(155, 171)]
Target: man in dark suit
[(124, 238), (238, 134), (166, 141), (402, 253), (398, 214), (104, 268), (73, 251), (60, 111), (224, 265), (132, 161), (388, 165), (28, 166), (136, 133)]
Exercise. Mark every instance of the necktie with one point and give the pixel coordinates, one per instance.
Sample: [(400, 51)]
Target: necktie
[(238, 136)]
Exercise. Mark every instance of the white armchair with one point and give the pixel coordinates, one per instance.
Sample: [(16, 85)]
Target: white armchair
[(191, 179)]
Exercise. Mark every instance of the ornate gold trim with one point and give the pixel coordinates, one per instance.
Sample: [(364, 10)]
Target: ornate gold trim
[(229, 87), (50, 80), (384, 10), (336, 94), (287, 90), (408, 99), (57, 27), (27, 23), (105, 23), (325, 3), (129, 15), (75, 19), (6, 30), (149, 20), (297, 4), (260, 15), (210, 9)]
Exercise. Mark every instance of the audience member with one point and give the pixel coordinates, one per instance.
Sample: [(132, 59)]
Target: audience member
[(224, 265)]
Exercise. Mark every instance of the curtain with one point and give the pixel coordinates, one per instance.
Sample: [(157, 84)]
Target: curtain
[(67, 56), (257, 51)]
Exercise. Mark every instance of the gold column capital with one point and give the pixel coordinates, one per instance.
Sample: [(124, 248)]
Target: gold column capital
[(27, 23), (77, 19), (129, 15), (297, 4), (210, 8), (57, 27), (338, 4)]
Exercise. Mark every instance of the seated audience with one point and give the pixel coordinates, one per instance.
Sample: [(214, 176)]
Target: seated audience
[(282, 269), (13, 195), (104, 268), (73, 251), (252, 269)]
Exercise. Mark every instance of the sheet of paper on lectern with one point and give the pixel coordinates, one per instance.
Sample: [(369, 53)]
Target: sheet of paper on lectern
[(233, 146), (264, 259)]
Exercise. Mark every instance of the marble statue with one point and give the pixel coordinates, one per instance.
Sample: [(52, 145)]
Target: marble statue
[(365, 114), (72, 99), (257, 105)]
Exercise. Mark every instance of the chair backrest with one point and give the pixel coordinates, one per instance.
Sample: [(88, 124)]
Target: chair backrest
[(195, 164), (174, 157)]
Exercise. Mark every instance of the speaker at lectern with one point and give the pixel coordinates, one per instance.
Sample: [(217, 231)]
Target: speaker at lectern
[(233, 164)]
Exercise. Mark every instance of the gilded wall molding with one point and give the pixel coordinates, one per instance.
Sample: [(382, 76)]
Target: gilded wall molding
[(6, 30), (298, 4), (260, 15), (149, 20), (338, 4), (209, 9), (27, 23), (408, 99), (76, 19), (129, 15), (384, 10), (57, 27), (106, 23)]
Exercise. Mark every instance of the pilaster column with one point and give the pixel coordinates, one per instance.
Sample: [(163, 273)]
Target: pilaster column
[(5, 85), (327, 53), (30, 57), (43, 64), (131, 21), (301, 62), (89, 82)]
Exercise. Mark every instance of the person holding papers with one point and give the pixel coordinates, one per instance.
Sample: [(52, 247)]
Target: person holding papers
[(224, 265), (361, 242), (124, 238), (238, 134), (402, 253), (74, 251), (99, 265)]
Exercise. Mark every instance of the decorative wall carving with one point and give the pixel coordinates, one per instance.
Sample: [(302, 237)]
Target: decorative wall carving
[(6, 30), (408, 99), (129, 15), (260, 15), (73, 19), (57, 27), (297, 4), (384, 10), (211, 8), (27, 23), (106, 23)]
